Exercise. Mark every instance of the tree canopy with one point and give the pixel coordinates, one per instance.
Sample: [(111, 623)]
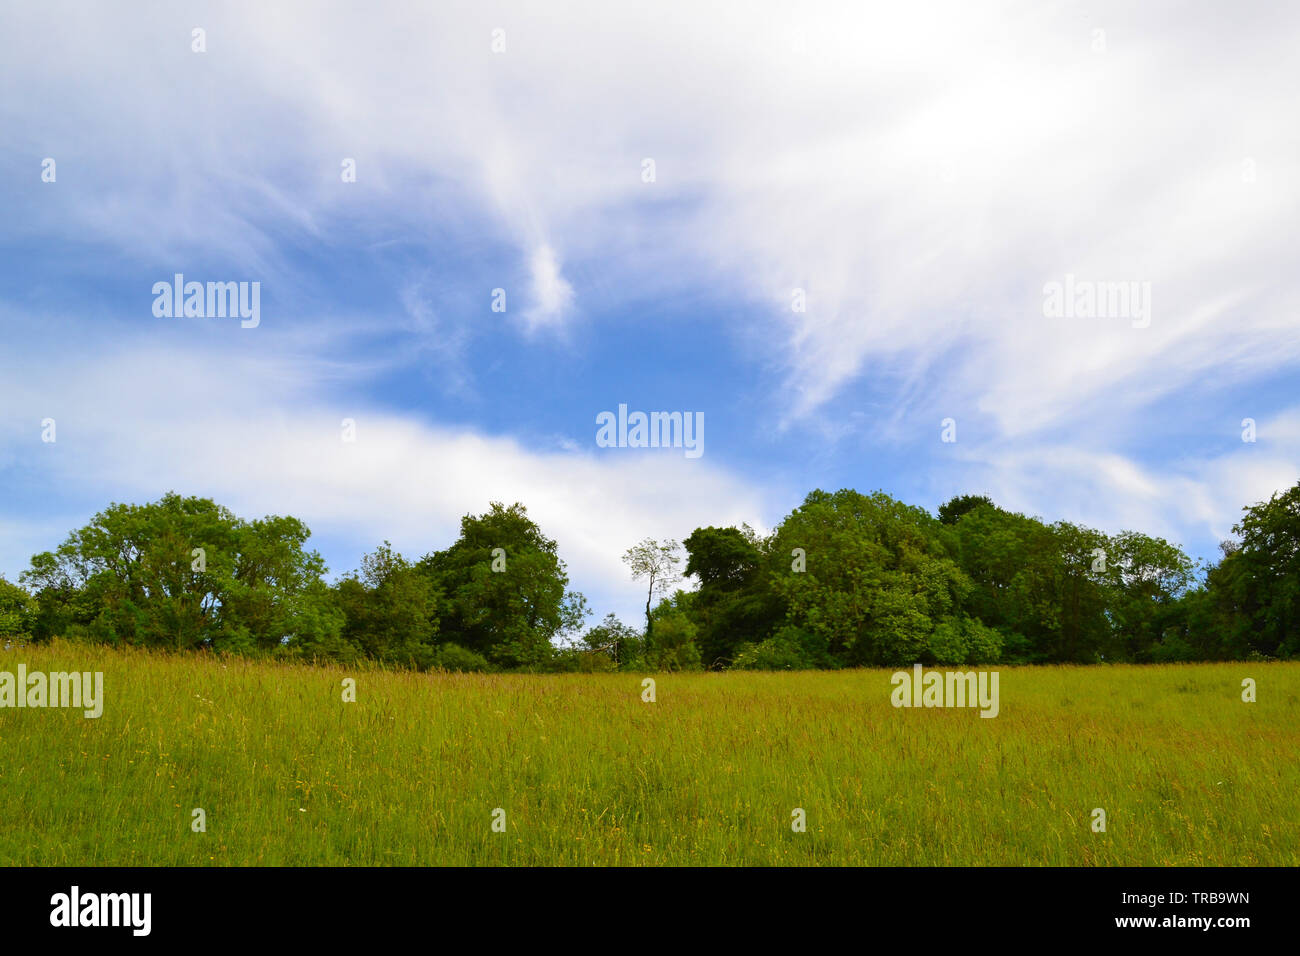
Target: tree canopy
[(845, 580)]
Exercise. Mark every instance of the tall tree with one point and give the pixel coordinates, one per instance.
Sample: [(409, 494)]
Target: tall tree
[(1146, 579), (656, 564), (1256, 587), (736, 603)]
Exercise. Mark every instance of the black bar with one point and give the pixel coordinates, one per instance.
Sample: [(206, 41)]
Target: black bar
[(323, 905)]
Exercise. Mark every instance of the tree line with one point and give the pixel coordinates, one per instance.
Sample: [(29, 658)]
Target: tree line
[(845, 580)]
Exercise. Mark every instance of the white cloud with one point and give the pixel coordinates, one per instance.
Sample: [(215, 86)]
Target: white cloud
[(264, 438), (552, 294), (921, 169), (1202, 496)]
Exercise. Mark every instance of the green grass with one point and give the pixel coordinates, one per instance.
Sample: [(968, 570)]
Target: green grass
[(587, 773)]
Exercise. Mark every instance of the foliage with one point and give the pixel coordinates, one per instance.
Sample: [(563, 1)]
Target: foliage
[(955, 508), (675, 633), (845, 580), (16, 608), (878, 578), (620, 645), (180, 573), (735, 603), (506, 589), (391, 609)]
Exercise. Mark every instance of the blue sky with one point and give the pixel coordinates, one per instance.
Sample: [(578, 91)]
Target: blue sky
[(918, 175)]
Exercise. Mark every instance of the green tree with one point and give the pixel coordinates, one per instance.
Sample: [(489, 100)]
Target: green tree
[(506, 589), (318, 624), (179, 572), (953, 509), (274, 586), (614, 641), (674, 647), (16, 610), (1035, 584), (1079, 589), (1254, 593), (878, 578), (736, 603), (1146, 579), (391, 609)]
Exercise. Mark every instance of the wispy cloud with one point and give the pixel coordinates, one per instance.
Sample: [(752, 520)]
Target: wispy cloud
[(917, 173), (133, 424)]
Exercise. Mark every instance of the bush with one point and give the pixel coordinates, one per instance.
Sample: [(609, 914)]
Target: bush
[(947, 643), (964, 641), (983, 643), (453, 657), (791, 648), (580, 660), (674, 647), (16, 610), (1172, 649)]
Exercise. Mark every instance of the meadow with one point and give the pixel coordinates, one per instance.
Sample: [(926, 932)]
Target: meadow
[(586, 772)]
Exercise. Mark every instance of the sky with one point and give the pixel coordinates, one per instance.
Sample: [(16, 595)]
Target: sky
[(827, 230)]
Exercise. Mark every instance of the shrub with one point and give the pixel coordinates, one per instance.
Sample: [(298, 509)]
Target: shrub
[(453, 657), (947, 642), (790, 648), (983, 643)]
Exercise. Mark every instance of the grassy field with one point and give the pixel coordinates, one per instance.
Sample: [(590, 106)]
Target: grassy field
[(588, 773)]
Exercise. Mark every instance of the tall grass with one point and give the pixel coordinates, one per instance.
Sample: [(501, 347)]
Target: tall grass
[(588, 773)]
